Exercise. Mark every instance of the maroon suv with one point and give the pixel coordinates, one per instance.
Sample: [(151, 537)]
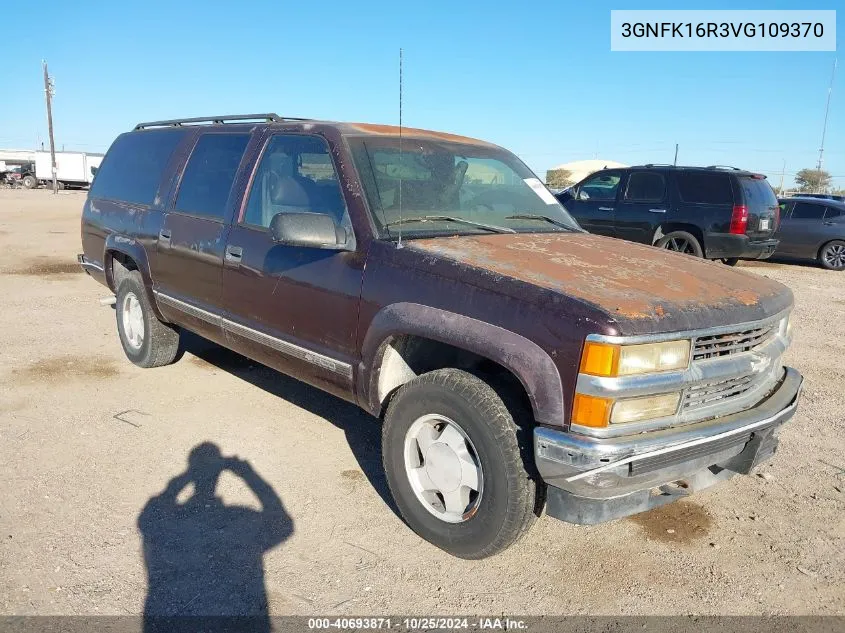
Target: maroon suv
[(517, 362)]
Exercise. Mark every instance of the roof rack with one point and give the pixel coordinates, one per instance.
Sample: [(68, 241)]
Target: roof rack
[(268, 117), (658, 165), (723, 167)]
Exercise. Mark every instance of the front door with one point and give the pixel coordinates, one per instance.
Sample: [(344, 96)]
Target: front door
[(193, 234), (642, 207), (291, 307), (594, 202)]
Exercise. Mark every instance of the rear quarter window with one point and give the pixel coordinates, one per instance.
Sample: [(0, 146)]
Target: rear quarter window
[(133, 167), (702, 188)]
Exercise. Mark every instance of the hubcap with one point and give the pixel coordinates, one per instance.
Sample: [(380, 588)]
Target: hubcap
[(443, 468), (133, 320), (834, 256)]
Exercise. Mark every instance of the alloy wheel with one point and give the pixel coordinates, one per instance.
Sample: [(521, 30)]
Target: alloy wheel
[(443, 468), (133, 320), (834, 256)]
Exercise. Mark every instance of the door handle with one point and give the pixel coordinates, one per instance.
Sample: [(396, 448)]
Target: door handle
[(605, 208), (657, 210), (234, 254), (828, 223), (164, 235)]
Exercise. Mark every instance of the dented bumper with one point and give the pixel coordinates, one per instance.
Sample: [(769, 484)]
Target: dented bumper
[(598, 479)]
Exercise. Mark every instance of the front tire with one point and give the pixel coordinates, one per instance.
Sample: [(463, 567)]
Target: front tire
[(29, 181), (832, 255), (146, 341), (681, 242), (730, 261), (451, 453)]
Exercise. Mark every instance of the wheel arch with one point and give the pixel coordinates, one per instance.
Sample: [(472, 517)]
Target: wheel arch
[(122, 253), (668, 227), (385, 367)]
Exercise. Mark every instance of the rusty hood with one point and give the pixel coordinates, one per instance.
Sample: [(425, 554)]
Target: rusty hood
[(642, 289)]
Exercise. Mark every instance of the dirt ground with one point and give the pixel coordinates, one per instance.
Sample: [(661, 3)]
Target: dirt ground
[(88, 441)]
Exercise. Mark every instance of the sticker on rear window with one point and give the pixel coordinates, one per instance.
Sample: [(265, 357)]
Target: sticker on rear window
[(540, 189)]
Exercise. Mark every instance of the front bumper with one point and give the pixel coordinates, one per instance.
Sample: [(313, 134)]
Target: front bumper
[(599, 479), (726, 246)]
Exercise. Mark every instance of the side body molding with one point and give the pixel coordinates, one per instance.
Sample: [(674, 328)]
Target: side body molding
[(524, 358)]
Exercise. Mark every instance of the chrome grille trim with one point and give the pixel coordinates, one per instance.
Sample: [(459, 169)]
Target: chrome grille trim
[(744, 340), (707, 393)]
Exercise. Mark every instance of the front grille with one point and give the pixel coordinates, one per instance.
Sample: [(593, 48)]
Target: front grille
[(707, 393), (715, 345)]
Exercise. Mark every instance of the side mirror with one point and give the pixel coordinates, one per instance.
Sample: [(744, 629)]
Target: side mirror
[(314, 230)]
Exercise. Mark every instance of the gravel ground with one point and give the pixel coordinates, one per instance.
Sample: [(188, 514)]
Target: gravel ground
[(89, 442)]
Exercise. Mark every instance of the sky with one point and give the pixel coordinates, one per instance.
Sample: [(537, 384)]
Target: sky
[(538, 78)]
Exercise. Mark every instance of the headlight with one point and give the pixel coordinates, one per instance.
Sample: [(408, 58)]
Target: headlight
[(604, 359), (647, 408), (786, 325)]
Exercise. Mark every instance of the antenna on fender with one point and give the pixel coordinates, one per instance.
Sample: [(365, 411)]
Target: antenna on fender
[(399, 242)]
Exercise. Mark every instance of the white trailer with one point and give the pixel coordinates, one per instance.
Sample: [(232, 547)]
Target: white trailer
[(73, 169)]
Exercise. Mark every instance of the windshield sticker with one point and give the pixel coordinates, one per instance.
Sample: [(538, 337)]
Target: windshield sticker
[(540, 189)]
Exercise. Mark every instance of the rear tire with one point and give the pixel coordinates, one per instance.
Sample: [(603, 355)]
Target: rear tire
[(426, 476), (681, 242), (832, 255), (146, 341), (730, 261)]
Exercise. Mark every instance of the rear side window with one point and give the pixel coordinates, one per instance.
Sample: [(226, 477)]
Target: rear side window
[(644, 186), (701, 188), (807, 211), (832, 212), (132, 169), (210, 173)]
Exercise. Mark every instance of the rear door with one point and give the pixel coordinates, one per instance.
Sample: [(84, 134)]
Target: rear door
[(642, 206), (762, 203), (193, 235), (595, 200), (801, 230)]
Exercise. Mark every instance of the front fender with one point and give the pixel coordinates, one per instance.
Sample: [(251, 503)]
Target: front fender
[(132, 248), (525, 359)]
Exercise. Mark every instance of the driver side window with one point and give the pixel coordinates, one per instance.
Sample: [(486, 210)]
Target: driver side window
[(295, 175), (600, 186)]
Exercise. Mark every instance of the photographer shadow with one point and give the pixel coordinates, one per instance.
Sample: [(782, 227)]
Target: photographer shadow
[(204, 559)]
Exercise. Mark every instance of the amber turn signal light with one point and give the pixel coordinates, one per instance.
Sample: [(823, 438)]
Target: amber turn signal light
[(599, 359), (591, 410)]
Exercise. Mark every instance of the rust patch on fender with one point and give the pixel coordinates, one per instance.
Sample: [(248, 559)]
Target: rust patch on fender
[(631, 280)]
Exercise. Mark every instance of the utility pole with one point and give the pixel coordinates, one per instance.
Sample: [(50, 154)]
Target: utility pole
[(782, 174), (676, 155), (824, 126), (48, 95)]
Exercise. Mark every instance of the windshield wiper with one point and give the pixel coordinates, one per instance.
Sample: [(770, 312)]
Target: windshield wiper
[(450, 218), (545, 218)]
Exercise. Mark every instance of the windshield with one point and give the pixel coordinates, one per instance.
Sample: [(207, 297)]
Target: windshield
[(475, 183)]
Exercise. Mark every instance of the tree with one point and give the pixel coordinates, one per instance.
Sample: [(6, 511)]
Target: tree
[(838, 192), (559, 178), (812, 180)]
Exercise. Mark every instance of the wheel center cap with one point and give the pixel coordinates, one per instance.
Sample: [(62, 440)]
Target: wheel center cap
[(443, 467)]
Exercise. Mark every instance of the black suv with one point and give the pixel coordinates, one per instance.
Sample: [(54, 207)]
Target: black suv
[(713, 212)]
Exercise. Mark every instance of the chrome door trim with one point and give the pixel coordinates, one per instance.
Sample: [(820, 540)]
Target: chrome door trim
[(281, 345)]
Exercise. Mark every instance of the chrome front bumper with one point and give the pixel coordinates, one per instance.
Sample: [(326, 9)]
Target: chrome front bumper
[(597, 479)]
